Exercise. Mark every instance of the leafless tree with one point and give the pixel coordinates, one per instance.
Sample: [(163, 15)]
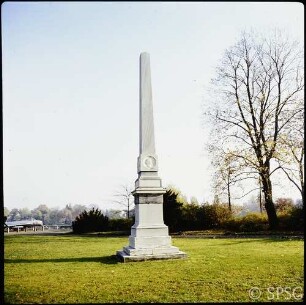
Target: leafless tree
[(125, 198), (259, 93), (290, 156), (229, 172)]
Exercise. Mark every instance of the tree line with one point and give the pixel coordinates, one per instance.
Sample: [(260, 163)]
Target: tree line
[(55, 216), (181, 215)]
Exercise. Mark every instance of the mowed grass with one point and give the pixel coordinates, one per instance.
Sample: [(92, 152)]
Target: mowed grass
[(80, 269)]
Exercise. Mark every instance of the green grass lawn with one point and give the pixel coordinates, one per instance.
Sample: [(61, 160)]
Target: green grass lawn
[(83, 269)]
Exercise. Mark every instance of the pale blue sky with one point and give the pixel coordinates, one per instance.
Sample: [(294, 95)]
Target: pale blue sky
[(70, 91)]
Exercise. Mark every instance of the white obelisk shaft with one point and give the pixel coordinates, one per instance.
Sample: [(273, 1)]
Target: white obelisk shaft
[(147, 160), (146, 124)]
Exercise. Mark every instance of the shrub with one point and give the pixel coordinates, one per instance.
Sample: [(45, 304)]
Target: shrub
[(192, 216), (172, 209), (253, 222), (216, 215), (292, 219), (92, 221), (233, 224), (121, 224)]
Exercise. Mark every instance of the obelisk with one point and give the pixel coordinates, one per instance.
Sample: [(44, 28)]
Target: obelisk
[(149, 237)]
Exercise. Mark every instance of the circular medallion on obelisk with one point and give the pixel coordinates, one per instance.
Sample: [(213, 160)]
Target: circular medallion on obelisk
[(149, 162)]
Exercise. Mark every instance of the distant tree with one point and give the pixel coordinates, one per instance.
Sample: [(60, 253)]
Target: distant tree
[(37, 214), (230, 171), (194, 200), (41, 212), (14, 215), (252, 205), (61, 216), (53, 217), (216, 199), (69, 207), (25, 213), (43, 208), (284, 205), (113, 214), (90, 221), (6, 211), (67, 214), (77, 209), (125, 198)]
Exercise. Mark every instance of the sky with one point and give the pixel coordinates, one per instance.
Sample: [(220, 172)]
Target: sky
[(70, 76)]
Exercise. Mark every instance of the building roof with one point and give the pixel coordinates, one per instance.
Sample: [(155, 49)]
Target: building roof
[(31, 222)]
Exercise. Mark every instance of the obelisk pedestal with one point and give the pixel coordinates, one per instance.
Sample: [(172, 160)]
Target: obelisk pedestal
[(149, 237)]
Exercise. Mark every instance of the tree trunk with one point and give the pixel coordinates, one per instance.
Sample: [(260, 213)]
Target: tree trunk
[(302, 183), (229, 197), (260, 198), (128, 209), (260, 201), (269, 205), (302, 194)]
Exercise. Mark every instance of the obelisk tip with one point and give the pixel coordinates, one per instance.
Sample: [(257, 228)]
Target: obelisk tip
[(146, 54)]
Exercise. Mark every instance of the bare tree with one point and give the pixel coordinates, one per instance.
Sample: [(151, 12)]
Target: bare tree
[(260, 86), (229, 173), (291, 155), (124, 197)]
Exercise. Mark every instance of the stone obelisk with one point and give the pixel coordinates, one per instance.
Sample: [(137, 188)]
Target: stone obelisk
[(149, 237)]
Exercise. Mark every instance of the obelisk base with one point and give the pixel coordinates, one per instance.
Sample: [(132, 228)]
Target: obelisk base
[(125, 258), (149, 239), (130, 254), (147, 243)]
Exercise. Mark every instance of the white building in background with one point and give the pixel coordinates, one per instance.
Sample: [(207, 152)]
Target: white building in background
[(23, 225)]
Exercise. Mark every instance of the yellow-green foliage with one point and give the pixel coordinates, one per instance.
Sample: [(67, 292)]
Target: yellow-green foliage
[(254, 222), (79, 269), (292, 219), (251, 222)]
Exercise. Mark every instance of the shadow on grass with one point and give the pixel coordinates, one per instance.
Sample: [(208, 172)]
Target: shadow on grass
[(104, 234), (267, 240), (70, 234), (108, 260), (31, 238)]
